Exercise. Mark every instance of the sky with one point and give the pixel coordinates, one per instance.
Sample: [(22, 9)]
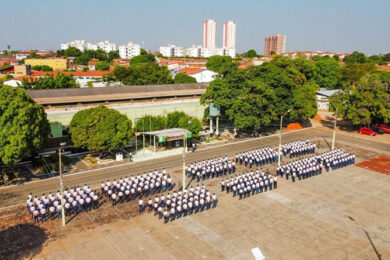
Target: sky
[(316, 25)]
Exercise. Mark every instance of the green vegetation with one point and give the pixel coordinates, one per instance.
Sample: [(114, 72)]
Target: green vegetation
[(221, 64), (183, 78), (102, 65), (250, 54), (100, 129), (51, 82), (143, 70), (23, 125), (42, 68), (177, 119)]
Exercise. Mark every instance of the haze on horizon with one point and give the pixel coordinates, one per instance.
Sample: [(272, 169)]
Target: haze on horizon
[(331, 25)]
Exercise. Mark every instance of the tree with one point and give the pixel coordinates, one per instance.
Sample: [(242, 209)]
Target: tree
[(366, 102), (42, 68), (195, 126), (100, 129), (23, 125), (250, 54), (221, 64), (50, 82), (102, 65), (72, 52), (183, 78), (304, 103), (113, 55), (151, 123), (386, 57), (143, 74), (353, 72), (328, 73), (141, 59), (83, 59), (174, 117), (356, 57)]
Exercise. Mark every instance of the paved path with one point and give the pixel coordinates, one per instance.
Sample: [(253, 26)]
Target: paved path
[(330, 216), (17, 194)]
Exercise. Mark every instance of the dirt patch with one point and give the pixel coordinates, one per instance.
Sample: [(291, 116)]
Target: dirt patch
[(379, 164)]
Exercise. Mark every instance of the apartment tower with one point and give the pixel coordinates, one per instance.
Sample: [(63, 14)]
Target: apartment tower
[(229, 35), (275, 43), (209, 34)]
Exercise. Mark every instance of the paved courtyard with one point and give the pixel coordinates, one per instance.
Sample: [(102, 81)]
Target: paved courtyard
[(338, 215)]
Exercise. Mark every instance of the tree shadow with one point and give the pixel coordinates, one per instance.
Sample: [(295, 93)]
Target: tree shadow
[(21, 241)]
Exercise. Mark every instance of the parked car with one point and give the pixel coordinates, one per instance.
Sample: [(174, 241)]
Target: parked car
[(367, 131), (385, 128)]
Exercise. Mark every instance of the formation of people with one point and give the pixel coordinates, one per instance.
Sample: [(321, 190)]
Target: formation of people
[(212, 168), (246, 184), (257, 157), (76, 200), (298, 148), (130, 188), (312, 166), (179, 204)]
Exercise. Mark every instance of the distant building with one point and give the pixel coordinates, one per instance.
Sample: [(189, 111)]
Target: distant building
[(172, 51), (201, 75), (275, 43), (229, 35), (22, 70), (309, 54), (92, 64), (209, 34), (106, 46), (129, 50), (54, 63), (83, 45)]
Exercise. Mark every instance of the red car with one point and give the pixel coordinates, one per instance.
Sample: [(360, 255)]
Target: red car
[(385, 128), (367, 131)]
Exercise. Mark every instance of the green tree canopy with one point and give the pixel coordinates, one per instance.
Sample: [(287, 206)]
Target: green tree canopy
[(366, 102), (183, 78), (328, 73), (356, 57), (102, 65), (151, 123), (221, 64), (113, 55), (50, 82), (174, 117), (353, 72), (100, 129), (143, 74), (23, 125), (71, 52), (249, 54), (42, 68), (141, 59)]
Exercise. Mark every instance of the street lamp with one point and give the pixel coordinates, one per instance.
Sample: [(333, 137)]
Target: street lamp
[(334, 129), (61, 184), (184, 156), (280, 136)]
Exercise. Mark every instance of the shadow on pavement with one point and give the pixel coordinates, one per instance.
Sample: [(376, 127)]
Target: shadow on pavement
[(21, 241)]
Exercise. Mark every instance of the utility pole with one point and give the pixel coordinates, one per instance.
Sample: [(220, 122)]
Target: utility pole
[(61, 185), (184, 160), (334, 129), (280, 140)]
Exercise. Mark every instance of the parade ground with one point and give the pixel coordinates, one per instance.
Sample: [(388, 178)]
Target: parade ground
[(341, 214)]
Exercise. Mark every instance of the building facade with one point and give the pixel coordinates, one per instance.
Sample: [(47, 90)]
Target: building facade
[(275, 43), (129, 50), (209, 34), (55, 64), (229, 35)]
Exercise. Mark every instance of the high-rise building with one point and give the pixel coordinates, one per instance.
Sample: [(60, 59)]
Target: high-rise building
[(209, 34), (229, 35), (275, 43), (130, 50)]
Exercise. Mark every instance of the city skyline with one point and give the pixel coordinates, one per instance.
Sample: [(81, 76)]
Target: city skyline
[(334, 26)]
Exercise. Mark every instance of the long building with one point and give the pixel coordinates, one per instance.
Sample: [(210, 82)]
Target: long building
[(133, 101), (275, 44)]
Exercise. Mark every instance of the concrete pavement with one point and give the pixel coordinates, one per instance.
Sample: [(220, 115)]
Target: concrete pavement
[(17, 194)]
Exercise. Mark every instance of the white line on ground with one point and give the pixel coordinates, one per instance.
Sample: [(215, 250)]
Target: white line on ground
[(257, 253)]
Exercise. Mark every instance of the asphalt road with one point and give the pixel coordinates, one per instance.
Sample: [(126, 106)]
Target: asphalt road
[(17, 194)]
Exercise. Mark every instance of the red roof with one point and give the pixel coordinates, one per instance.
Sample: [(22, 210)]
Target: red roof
[(190, 71), (90, 73)]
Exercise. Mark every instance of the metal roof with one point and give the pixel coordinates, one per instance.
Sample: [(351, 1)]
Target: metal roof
[(328, 93), (117, 93)]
